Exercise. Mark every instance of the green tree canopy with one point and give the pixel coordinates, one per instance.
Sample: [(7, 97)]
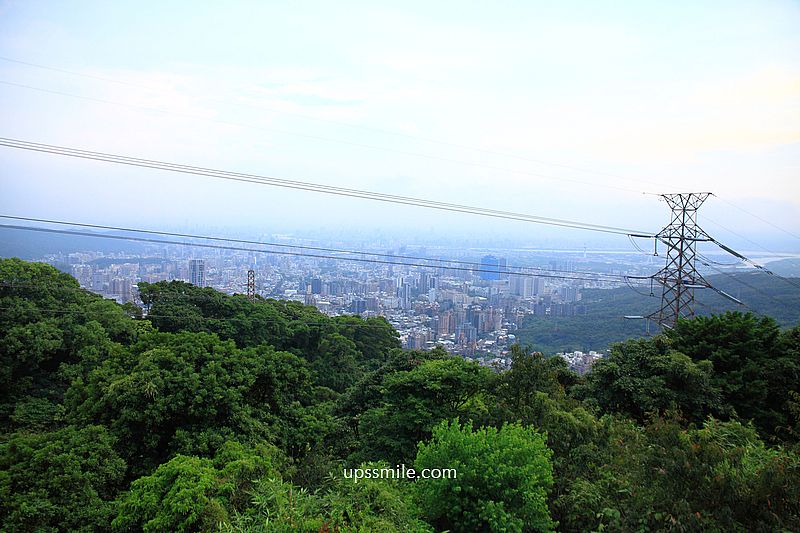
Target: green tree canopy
[(503, 478), (59, 481), (189, 493), (414, 401), (189, 393), (754, 365), (647, 376), (50, 332)]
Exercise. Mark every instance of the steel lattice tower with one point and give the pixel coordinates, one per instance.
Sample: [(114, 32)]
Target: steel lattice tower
[(679, 277), (251, 284)]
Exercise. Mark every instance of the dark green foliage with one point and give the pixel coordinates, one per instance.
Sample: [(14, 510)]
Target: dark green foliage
[(335, 363), (596, 331), (177, 306), (503, 477), (59, 481), (374, 337), (188, 493), (190, 392), (532, 393), (178, 496), (414, 401), (105, 420), (646, 376), (36, 414), (755, 365), (721, 476), (791, 432), (339, 349), (718, 478), (532, 372), (50, 331), (368, 391)]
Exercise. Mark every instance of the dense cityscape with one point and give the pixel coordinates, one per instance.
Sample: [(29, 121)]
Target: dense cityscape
[(471, 306)]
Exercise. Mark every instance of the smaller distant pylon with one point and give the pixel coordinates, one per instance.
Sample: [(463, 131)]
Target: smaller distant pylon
[(251, 285)]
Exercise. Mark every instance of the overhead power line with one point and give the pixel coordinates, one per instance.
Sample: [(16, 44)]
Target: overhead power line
[(295, 254), (438, 263), (743, 259), (760, 267), (737, 279), (314, 187), (349, 125), (372, 129), (762, 219)]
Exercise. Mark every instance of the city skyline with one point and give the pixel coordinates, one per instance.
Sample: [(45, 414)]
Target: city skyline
[(468, 312)]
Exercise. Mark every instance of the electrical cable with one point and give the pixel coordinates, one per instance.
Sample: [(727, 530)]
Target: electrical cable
[(753, 263), (717, 262), (382, 131), (745, 259), (639, 248), (631, 287), (350, 125), (274, 252), (293, 184), (444, 263), (742, 282), (745, 211)]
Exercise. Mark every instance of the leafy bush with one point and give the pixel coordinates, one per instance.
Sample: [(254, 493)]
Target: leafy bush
[(193, 494), (503, 477), (59, 481)]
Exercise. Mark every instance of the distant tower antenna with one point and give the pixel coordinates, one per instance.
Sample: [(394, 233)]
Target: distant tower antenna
[(679, 277), (251, 285)]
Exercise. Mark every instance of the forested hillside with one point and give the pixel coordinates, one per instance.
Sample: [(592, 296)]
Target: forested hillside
[(215, 413), (604, 324)]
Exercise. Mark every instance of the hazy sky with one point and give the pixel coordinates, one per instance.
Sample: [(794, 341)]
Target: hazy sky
[(408, 98)]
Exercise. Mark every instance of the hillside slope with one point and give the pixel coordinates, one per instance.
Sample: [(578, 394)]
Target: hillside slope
[(604, 323)]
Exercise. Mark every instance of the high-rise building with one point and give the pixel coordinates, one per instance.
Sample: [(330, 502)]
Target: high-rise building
[(490, 268), (524, 286), (358, 306), (404, 293), (197, 272), (99, 281), (466, 333), (446, 323), (309, 298), (569, 294), (373, 304), (503, 268), (316, 286)]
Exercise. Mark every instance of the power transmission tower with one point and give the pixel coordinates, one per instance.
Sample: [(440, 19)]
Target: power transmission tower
[(679, 277), (251, 284)]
